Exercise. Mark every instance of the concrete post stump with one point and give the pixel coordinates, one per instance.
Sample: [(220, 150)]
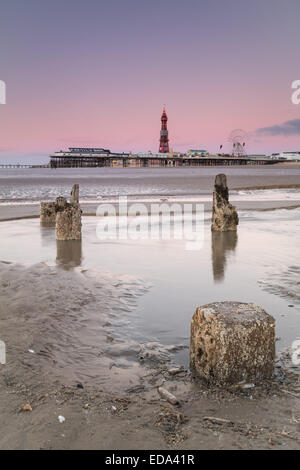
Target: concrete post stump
[(68, 223), (66, 215), (224, 215), (231, 342), (47, 212)]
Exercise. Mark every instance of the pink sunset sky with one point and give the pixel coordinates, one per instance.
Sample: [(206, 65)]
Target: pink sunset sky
[(98, 73)]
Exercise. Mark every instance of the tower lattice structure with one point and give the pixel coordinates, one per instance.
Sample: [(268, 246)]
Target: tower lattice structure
[(164, 134)]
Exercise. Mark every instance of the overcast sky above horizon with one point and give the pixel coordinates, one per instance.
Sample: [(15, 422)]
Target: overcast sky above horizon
[(97, 73)]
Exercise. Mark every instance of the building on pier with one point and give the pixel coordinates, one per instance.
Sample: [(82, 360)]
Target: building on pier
[(286, 156), (197, 153), (85, 157)]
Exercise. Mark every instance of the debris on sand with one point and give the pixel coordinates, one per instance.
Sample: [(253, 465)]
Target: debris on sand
[(167, 396), (169, 422), (217, 420), (26, 407), (175, 370), (250, 430)]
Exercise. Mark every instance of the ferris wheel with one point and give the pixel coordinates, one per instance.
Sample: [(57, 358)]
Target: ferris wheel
[(238, 138)]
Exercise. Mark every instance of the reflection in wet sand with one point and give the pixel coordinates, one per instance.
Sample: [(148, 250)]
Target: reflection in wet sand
[(47, 232), (221, 244), (68, 253)]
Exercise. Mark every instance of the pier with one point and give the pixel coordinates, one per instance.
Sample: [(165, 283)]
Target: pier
[(21, 165), (91, 160), (72, 160)]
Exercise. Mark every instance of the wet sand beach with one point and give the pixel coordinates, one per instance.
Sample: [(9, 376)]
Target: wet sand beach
[(149, 228), (251, 188), (124, 410), (92, 328)]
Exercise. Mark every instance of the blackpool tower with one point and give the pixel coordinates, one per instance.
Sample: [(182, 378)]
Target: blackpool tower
[(164, 138)]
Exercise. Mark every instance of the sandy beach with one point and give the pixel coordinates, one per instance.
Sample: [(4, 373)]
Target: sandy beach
[(93, 328), (149, 228), (125, 411)]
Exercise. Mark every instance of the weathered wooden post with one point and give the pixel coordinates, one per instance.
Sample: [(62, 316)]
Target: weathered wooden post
[(68, 218), (231, 342), (224, 215), (66, 215), (48, 210)]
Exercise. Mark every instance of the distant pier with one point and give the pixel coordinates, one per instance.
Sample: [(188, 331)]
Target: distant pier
[(81, 160), (21, 165), (92, 159)]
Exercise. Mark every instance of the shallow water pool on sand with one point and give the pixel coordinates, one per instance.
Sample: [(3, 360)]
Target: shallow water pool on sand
[(259, 264)]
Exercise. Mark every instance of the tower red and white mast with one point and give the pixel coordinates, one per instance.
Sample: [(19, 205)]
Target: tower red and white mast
[(164, 135)]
